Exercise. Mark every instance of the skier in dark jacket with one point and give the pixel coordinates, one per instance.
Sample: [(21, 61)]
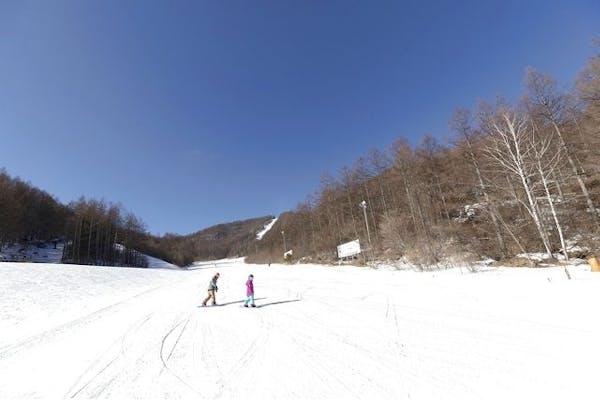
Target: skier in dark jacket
[(212, 291)]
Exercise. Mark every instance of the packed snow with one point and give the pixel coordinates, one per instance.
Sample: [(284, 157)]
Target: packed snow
[(154, 262), (225, 262), (266, 229), (324, 332)]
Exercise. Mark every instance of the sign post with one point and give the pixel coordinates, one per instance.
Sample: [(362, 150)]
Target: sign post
[(287, 256), (349, 249)]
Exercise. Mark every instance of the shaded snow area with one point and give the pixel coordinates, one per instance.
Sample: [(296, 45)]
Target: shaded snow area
[(39, 253), (225, 262), (154, 262), (46, 253), (319, 332), (266, 229)]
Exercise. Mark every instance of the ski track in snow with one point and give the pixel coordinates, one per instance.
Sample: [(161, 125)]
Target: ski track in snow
[(319, 332), (47, 335)]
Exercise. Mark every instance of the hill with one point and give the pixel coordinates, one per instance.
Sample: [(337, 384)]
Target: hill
[(229, 240), (93, 228), (515, 177)]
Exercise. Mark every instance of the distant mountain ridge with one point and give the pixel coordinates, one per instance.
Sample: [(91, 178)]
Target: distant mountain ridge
[(232, 229), (30, 215), (227, 240), (233, 239)]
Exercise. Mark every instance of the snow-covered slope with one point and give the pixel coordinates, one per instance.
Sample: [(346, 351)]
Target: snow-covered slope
[(266, 229), (225, 262), (320, 332), (154, 262)]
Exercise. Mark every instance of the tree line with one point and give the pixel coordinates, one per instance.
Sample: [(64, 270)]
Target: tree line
[(28, 213), (93, 232), (104, 234), (514, 178), (97, 232), (230, 240)]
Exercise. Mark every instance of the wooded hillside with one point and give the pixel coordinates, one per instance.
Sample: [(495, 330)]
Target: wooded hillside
[(101, 233), (235, 239), (515, 177), (28, 213)]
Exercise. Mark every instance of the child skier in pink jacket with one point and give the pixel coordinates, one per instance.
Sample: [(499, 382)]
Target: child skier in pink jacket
[(250, 291)]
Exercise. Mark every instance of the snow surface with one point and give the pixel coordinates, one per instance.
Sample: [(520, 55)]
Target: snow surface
[(154, 262), (69, 331), (225, 262), (266, 229)]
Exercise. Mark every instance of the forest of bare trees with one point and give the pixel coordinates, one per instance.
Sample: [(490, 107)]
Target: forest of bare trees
[(28, 213), (96, 232), (93, 232), (103, 234), (514, 178), (229, 240)]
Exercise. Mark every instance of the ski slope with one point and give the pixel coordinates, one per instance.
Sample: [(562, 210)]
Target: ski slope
[(79, 332), (266, 229), (154, 262)]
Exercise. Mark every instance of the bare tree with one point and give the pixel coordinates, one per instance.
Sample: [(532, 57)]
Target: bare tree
[(546, 157), (509, 149), (588, 85), (545, 102), (461, 125)]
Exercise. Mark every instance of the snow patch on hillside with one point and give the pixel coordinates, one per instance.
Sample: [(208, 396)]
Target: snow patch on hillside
[(37, 253), (154, 262), (266, 229), (224, 262), (43, 252)]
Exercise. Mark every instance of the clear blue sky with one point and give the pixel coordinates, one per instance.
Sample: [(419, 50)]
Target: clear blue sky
[(192, 113)]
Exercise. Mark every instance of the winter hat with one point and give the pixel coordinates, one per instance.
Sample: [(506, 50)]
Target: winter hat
[(250, 276)]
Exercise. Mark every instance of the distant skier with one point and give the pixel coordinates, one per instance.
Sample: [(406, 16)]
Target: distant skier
[(212, 290), (250, 291)]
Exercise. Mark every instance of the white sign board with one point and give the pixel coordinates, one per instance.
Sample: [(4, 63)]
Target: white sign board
[(349, 249)]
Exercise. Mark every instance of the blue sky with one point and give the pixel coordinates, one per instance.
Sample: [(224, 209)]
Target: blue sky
[(192, 113)]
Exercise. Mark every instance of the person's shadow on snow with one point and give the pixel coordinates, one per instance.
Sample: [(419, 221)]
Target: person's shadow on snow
[(276, 302), (235, 302), (241, 301), (258, 305)]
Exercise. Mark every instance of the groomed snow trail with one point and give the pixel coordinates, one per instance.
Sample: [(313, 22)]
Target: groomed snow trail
[(78, 332)]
